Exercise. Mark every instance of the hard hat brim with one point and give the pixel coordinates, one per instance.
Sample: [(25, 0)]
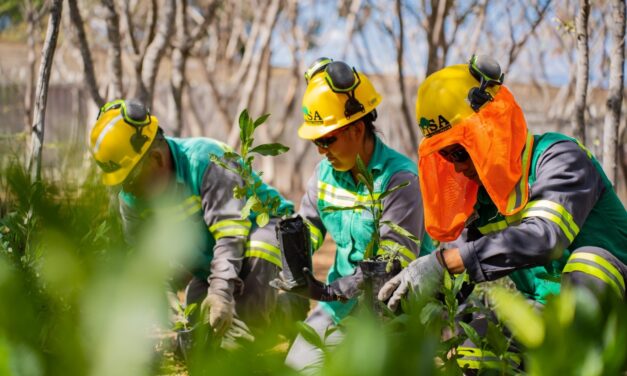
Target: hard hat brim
[(114, 178), (312, 132)]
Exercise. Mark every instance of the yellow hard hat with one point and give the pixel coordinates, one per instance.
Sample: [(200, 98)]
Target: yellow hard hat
[(120, 137), (334, 98), (456, 92)]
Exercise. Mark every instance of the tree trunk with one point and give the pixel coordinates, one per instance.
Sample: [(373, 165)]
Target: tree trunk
[(41, 95), (115, 52), (155, 52), (409, 123), (265, 36), (88, 65), (581, 87), (179, 60), (32, 60), (615, 94)]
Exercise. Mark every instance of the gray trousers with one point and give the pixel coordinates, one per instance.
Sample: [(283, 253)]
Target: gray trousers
[(305, 357), (256, 303), (256, 300)]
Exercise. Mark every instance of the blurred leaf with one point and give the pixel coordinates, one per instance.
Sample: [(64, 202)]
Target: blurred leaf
[(270, 149), (496, 339), (513, 310), (245, 212), (431, 312), (262, 219), (310, 335)]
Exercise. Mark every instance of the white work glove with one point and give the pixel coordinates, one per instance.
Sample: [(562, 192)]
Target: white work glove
[(421, 274), (217, 311)]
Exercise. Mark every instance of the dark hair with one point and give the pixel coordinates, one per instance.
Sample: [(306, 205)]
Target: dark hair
[(369, 120)]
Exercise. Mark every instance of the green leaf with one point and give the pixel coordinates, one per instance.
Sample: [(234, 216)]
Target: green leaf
[(368, 253), (244, 121), (513, 310), (430, 312), (393, 189), (496, 339), (401, 231), (458, 282), (262, 219), (270, 149), (245, 212), (190, 309), (366, 182), (260, 120), (230, 155), (333, 209), (310, 335), (471, 333)]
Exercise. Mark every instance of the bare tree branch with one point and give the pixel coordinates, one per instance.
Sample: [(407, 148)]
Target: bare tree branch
[(115, 52), (401, 78), (39, 118), (517, 46), (88, 65), (615, 93), (581, 85), (155, 51), (350, 26)]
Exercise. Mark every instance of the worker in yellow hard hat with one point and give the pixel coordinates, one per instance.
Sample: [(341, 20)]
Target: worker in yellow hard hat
[(536, 208), (339, 111), (235, 259)]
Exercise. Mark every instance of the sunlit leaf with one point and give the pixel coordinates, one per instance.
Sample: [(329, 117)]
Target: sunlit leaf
[(512, 309), (401, 231), (393, 189), (310, 335), (262, 219)]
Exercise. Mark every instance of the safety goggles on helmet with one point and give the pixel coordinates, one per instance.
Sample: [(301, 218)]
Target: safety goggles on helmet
[(326, 142), (341, 78), (488, 72), (318, 66), (135, 115), (457, 155)]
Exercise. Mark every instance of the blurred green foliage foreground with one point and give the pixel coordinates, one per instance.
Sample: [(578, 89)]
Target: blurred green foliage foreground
[(76, 301)]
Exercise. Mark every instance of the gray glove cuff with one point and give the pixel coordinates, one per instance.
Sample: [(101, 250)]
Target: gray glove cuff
[(426, 268), (221, 287)]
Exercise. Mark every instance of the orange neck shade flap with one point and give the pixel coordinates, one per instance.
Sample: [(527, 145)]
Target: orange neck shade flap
[(499, 145)]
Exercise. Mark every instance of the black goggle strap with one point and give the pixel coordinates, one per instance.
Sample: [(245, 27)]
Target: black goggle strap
[(488, 72)]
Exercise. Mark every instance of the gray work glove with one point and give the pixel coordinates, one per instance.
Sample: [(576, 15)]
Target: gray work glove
[(218, 307), (420, 275), (341, 289), (236, 334)]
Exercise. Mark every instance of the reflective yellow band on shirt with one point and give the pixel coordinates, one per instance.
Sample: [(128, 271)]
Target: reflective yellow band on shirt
[(263, 250), (598, 267), (230, 227), (554, 212), (337, 196), (316, 236), (405, 255), (190, 206), (475, 358), (547, 209), (516, 197)]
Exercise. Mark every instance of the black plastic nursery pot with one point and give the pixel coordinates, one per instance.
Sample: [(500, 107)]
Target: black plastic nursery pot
[(295, 243), (375, 276)]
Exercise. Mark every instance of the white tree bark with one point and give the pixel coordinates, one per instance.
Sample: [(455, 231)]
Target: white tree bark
[(41, 94), (581, 86), (615, 94)]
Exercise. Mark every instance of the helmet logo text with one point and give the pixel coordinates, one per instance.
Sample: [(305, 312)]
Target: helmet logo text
[(429, 127), (313, 118)]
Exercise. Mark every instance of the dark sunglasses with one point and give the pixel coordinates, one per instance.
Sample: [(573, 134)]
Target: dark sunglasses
[(326, 142), (457, 155), (138, 118)]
